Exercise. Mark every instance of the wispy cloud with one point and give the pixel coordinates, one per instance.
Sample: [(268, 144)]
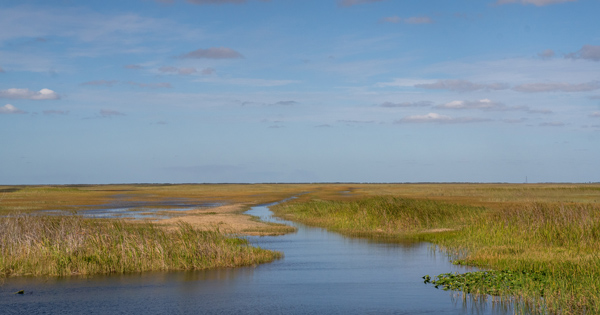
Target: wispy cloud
[(349, 3), (181, 71), (595, 114), (587, 52), (10, 109), (484, 104), (1, 70), (353, 122), (558, 87), (546, 54), (43, 94), (439, 119), (159, 85), (410, 20), (212, 53), (552, 124), (514, 121), (407, 104), (133, 67), (208, 71), (101, 82), (403, 82), (248, 81), (107, 113), (55, 112), (285, 103), (461, 86), (538, 3)]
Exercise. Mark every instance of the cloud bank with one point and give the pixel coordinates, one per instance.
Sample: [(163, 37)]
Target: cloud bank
[(461, 86), (43, 94), (557, 87), (587, 52)]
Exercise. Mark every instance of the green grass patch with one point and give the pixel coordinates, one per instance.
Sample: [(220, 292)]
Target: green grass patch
[(543, 256)]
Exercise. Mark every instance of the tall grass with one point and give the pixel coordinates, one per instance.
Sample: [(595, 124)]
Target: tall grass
[(71, 245), (550, 250), (385, 215)]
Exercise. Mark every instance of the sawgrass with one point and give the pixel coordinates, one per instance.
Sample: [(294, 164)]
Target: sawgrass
[(540, 243), (71, 245)]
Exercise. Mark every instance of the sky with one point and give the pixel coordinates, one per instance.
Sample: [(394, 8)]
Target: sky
[(253, 91)]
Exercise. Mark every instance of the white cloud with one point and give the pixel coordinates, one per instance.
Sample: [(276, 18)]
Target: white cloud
[(43, 94), (1, 70), (10, 109), (538, 3), (212, 53), (595, 114), (558, 87), (461, 86)]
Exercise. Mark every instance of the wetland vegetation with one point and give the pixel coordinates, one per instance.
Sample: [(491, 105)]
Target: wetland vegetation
[(537, 243), (72, 245)]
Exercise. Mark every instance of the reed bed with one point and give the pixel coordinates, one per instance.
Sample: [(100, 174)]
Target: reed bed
[(541, 257), (382, 215), (71, 245)]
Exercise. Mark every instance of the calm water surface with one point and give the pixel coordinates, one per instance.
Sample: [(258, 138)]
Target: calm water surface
[(322, 273)]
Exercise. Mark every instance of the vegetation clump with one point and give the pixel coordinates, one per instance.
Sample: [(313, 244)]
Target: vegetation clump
[(491, 282), (72, 245)]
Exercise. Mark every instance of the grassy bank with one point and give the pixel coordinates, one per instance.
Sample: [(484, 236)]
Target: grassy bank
[(71, 245), (544, 255)]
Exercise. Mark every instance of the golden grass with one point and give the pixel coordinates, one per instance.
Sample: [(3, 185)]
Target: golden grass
[(71, 245)]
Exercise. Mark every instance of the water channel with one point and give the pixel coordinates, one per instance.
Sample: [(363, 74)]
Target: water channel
[(321, 273)]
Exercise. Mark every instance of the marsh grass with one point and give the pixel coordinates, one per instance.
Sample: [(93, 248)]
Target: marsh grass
[(542, 256), (385, 215), (71, 245)]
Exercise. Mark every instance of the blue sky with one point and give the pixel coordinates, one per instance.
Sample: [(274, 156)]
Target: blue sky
[(203, 91)]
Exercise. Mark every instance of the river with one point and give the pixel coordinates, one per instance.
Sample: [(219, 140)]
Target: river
[(321, 273)]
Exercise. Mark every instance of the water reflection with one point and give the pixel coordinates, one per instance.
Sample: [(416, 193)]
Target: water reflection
[(129, 206), (321, 272)]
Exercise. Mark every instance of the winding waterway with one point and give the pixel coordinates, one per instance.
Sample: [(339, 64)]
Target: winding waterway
[(322, 273)]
